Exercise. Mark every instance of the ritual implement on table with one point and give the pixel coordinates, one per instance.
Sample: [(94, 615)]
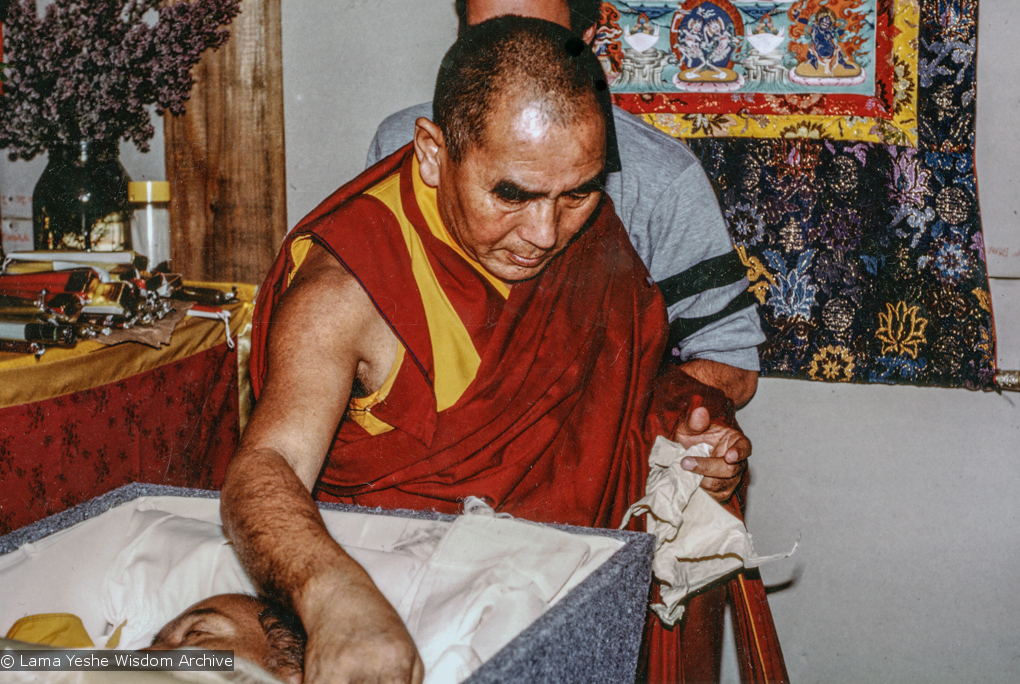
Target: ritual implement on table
[(56, 298)]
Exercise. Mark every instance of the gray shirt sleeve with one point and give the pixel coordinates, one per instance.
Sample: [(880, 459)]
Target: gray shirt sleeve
[(671, 213), (395, 131)]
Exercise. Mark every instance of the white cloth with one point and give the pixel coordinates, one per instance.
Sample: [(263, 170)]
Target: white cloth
[(464, 589), (488, 580), (171, 563), (174, 561), (697, 541)]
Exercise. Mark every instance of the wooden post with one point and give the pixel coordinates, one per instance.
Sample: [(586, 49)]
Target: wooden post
[(225, 157)]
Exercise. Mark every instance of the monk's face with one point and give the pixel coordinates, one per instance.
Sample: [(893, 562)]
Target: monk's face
[(517, 200)]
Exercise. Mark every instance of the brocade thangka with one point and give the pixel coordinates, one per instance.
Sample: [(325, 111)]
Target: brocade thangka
[(839, 136)]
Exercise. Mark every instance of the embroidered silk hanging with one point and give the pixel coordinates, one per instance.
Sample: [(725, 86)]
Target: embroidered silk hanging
[(839, 135)]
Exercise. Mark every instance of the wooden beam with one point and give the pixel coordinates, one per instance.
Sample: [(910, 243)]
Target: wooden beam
[(225, 157)]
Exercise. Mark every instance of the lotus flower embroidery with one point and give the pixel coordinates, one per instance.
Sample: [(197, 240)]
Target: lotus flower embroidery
[(901, 330), (793, 293)]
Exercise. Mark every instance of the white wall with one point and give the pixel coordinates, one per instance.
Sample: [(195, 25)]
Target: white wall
[(346, 65), (998, 164), (997, 159), (906, 501)]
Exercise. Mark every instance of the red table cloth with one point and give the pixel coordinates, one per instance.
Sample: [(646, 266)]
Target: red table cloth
[(78, 423)]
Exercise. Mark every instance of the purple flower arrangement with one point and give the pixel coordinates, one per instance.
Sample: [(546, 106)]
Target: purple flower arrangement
[(87, 69)]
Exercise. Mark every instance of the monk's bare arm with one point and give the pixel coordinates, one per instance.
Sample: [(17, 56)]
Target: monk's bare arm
[(325, 333)]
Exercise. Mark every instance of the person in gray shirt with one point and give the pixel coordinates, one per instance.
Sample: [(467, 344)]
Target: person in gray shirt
[(670, 211)]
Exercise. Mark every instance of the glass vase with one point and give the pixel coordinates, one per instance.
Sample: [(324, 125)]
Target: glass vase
[(81, 199)]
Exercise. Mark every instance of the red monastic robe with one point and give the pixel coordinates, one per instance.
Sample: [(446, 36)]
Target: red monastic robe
[(569, 394), (556, 419)]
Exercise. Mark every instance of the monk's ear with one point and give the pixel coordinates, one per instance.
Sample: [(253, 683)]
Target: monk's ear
[(430, 148), (589, 35)]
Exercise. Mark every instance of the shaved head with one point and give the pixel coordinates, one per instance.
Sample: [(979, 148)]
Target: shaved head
[(517, 150), (555, 11), (258, 629), (520, 60), (578, 15)]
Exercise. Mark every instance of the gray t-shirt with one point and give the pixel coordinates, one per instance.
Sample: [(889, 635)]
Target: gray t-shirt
[(667, 205)]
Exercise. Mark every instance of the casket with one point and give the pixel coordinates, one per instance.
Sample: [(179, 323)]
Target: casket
[(534, 603)]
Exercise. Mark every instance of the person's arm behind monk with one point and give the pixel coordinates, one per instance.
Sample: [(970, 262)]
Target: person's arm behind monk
[(325, 334), (725, 469), (736, 383)]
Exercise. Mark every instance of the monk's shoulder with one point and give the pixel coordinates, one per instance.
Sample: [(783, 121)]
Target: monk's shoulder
[(357, 229), (326, 308), (322, 278)]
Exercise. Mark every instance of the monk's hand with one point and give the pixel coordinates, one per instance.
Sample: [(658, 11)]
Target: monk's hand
[(692, 426), (356, 637), (722, 470)]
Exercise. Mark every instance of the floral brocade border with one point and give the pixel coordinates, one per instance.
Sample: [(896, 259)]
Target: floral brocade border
[(888, 115), (867, 259)]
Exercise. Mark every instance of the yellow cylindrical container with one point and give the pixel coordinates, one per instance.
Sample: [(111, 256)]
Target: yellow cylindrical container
[(150, 224)]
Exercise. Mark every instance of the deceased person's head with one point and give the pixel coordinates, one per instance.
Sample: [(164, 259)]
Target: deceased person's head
[(261, 631)]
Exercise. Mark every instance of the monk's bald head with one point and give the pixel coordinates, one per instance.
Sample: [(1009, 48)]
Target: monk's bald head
[(513, 62), (476, 11), (578, 15)]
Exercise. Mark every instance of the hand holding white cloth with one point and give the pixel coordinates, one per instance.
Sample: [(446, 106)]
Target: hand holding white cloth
[(697, 541)]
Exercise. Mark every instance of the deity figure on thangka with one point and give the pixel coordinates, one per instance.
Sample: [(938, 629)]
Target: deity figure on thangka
[(738, 46), (824, 39), (704, 40)]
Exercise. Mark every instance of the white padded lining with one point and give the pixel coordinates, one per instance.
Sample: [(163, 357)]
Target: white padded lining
[(465, 589)]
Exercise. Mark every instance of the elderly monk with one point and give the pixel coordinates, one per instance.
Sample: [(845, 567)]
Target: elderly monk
[(467, 317), (667, 205)]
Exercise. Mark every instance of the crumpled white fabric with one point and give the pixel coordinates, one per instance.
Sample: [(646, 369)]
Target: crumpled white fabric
[(697, 541), (174, 561), (171, 563), (464, 589), (490, 578)]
